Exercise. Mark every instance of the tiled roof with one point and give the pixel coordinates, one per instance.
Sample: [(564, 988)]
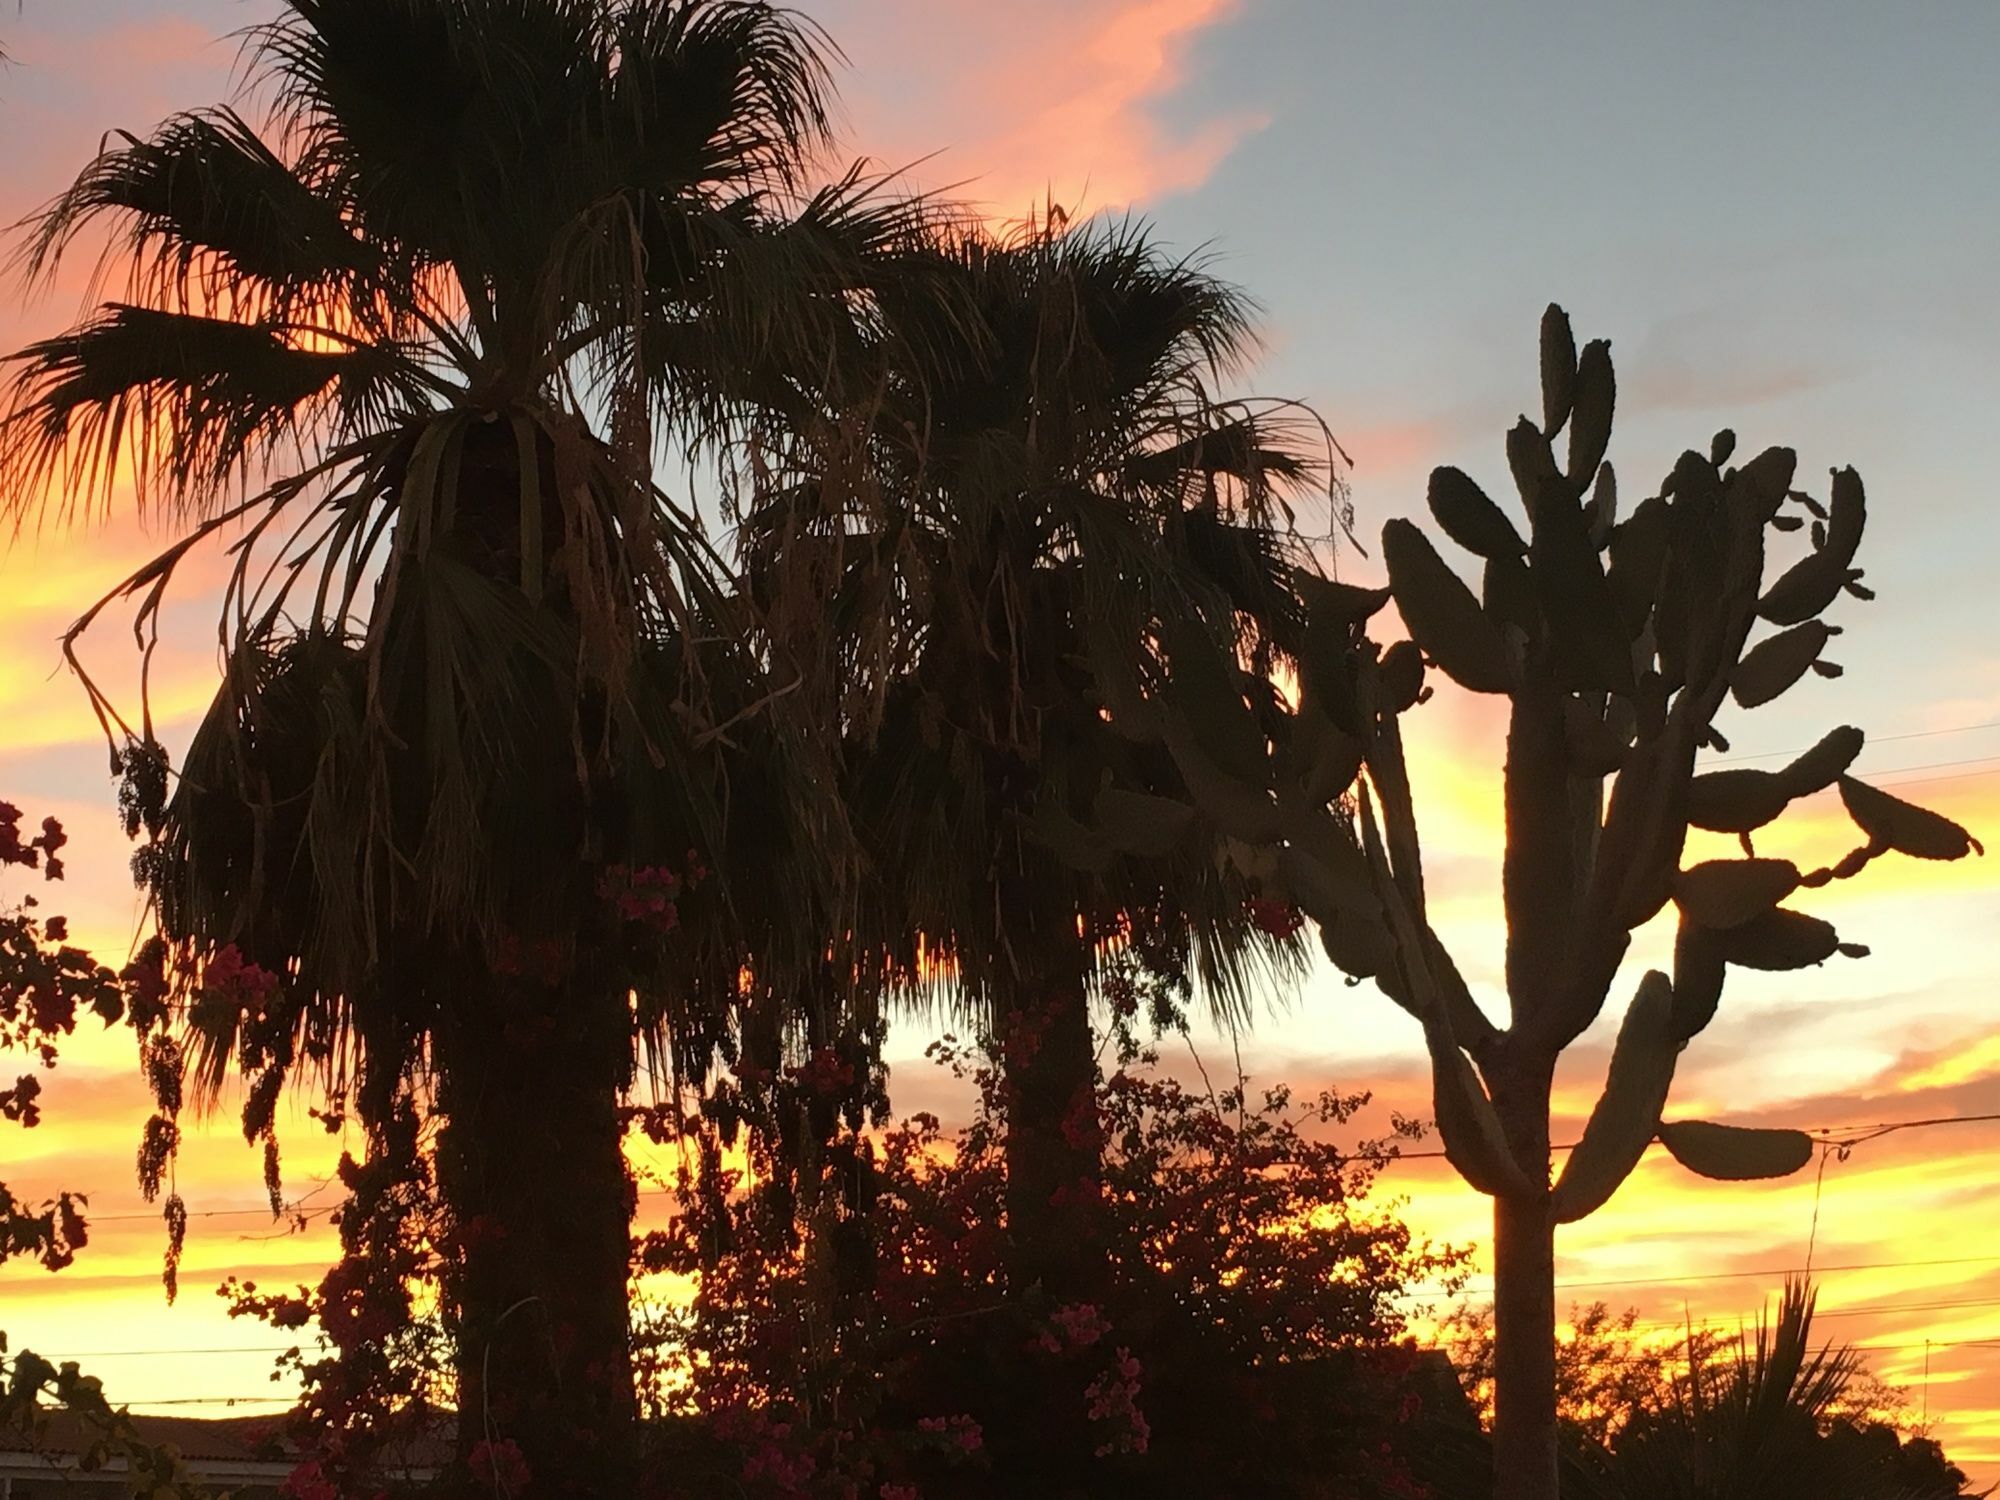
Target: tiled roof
[(235, 1439)]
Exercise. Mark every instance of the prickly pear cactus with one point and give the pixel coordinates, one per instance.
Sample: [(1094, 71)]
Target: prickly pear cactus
[(1619, 642)]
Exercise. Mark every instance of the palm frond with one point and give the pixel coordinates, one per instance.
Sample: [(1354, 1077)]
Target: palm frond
[(181, 403), (210, 215)]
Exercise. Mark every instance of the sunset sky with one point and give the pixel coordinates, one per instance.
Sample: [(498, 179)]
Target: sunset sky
[(1784, 217)]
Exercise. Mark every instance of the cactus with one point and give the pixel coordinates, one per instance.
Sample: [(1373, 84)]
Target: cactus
[(1617, 643)]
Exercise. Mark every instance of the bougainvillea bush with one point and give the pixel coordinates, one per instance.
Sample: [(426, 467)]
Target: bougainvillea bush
[(853, 1333)]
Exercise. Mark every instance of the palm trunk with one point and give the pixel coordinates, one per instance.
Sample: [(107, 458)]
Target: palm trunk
[(1524, 1298), (531, 1164), (1054, 1147)]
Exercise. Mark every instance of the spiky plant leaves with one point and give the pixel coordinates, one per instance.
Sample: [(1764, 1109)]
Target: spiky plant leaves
[(1699, 973), (1331, 891), (1080, 848), (1342, 607), (1725, 893), (1600, 514), (1324, 757), (1594, 746), (1558, 369), (1627, 1113), (1532, 462), (1442, 615), (1721, 446), (1731, 1153), (1764, 481), (1892, 823), (1590, 421), (1116, 679), (1778, 940), (1585, 635), (1468, 1127), (1469, 518), (1399, 677), (1815, 581), (1738, 801), (1207, 692), (1507, 593), (1773, 665), (1140, 824), (1238, 808), (1825, 763)]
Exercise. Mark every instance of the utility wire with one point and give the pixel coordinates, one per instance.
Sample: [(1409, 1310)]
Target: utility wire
[(1873, 739)]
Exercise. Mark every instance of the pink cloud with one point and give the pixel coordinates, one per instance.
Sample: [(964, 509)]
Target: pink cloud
[(1034, 100)]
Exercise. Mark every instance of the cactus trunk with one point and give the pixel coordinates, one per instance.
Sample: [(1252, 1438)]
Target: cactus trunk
[(1524, 1298)]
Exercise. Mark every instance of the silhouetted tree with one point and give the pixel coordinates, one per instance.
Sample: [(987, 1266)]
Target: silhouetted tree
[(478, 663), (1037, 507)]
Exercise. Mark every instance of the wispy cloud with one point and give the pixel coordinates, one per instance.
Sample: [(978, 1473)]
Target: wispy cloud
[(1039, 99)]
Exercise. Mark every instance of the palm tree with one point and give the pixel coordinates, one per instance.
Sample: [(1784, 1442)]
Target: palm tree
[(1773, 1420), (1047, 520), (409, 349)]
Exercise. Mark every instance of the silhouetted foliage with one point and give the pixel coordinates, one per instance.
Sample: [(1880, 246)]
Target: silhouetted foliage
[(861, 1333)]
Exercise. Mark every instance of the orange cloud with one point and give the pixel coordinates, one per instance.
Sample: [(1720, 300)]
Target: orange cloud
[(1037, 99)]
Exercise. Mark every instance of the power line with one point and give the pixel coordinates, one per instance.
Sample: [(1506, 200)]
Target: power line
[(1834, 1135), (1873, 739)]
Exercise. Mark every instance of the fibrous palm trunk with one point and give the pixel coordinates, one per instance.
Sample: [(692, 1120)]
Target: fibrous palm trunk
[(1054, 1150), (532, 1167), (531, 1066)]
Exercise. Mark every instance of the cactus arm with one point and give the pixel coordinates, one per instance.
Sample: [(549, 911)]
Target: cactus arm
[(1391, 776), (1627, 1114), (1731, 1153), (1469, 1126)]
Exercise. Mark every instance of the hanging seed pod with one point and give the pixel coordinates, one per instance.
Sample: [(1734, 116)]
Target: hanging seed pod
[(1558, 369), (1740, 801), (1729, 1153), (1699, 972), (1725, 893), (1773, 665), (1895, 824), (1469, 517), (1779, 940), (1627, 1114), (1443, 617), (1590, 418), (1137, 823), (1824, 764)]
